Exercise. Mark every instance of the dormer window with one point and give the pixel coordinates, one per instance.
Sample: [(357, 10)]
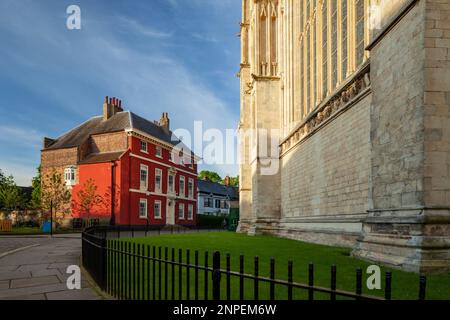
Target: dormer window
[(143, 146), (69, 176)]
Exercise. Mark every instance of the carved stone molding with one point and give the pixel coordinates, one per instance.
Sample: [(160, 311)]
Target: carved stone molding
[(346, 95)]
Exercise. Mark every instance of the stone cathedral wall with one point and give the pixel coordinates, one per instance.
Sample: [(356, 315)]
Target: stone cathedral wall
[(366, 167), (325, 180)]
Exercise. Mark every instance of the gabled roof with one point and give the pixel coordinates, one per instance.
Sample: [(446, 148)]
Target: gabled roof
[(208, 187), (120, 121), (102, 157)]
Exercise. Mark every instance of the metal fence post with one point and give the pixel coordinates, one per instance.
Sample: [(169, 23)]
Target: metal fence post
[(388, 286), (216, 276), (103, 263), (422, 286)]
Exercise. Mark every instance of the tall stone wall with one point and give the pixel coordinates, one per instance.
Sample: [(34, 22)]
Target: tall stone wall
[(372, 174), (437, 104), (408, 222), (325, 180)]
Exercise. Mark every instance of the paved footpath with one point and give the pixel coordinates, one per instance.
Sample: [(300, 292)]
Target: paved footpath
[(35, 268)]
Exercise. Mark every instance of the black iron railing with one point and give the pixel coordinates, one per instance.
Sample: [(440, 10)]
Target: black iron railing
[(133, 271)]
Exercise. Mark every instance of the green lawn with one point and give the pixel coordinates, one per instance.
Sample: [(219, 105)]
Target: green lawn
[(404, 285)]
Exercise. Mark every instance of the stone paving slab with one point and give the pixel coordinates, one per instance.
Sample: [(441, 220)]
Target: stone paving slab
[(48, 272), (8, 275), (9, 243), (4, 284), (32, 290), (39, 296), (34, 281), (40, 272), (83, 294), (8, 268), (32, 267)]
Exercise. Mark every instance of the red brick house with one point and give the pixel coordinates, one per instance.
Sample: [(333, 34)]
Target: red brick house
[(142, 172)]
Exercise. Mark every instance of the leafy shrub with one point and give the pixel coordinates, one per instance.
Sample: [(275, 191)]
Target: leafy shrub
[(204, 221)]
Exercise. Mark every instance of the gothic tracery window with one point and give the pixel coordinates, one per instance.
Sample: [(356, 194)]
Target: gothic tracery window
[(324, 49), (267, 38), (344, 36), (360, 18)]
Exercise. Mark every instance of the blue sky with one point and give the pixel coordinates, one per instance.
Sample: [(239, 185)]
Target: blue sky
[(176, 56)]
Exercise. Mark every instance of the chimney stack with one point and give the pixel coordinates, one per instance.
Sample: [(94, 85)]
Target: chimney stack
[(164, 122), (47, 142), (111, 106), (226, 181)]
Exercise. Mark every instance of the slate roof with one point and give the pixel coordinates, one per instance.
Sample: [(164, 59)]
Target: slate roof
[(102, 157), (119, 122), (208, 187)]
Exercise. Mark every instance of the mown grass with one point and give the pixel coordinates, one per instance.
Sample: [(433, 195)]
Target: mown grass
[(405, 285)]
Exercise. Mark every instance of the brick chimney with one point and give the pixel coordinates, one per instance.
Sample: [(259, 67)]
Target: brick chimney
[(111, 106), (226, 181), (47, 142), (164, 122)]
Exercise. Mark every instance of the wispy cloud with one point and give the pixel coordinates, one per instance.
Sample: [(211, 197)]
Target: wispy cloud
[(24, 136), (203, 37), (133, 26), (68, 73)]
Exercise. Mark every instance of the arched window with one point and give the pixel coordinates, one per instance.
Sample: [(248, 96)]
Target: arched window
[(324, 49), (344, 44), (334, 38), (360, 18)]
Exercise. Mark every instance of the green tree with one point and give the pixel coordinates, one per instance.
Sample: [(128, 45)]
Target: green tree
[(88, 197), (11, 196), (210, 175), (36, 194), (233, 182), (2, 177), (54, 193)]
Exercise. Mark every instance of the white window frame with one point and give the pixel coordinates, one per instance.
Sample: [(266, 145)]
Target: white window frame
[(143, 202), (70, 176), (170, 189), (159, 216), (181, 212), (191, 190), (182, 192), (142, 144), (158, 151), (190, 211), (143, 167), (158, 173)]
